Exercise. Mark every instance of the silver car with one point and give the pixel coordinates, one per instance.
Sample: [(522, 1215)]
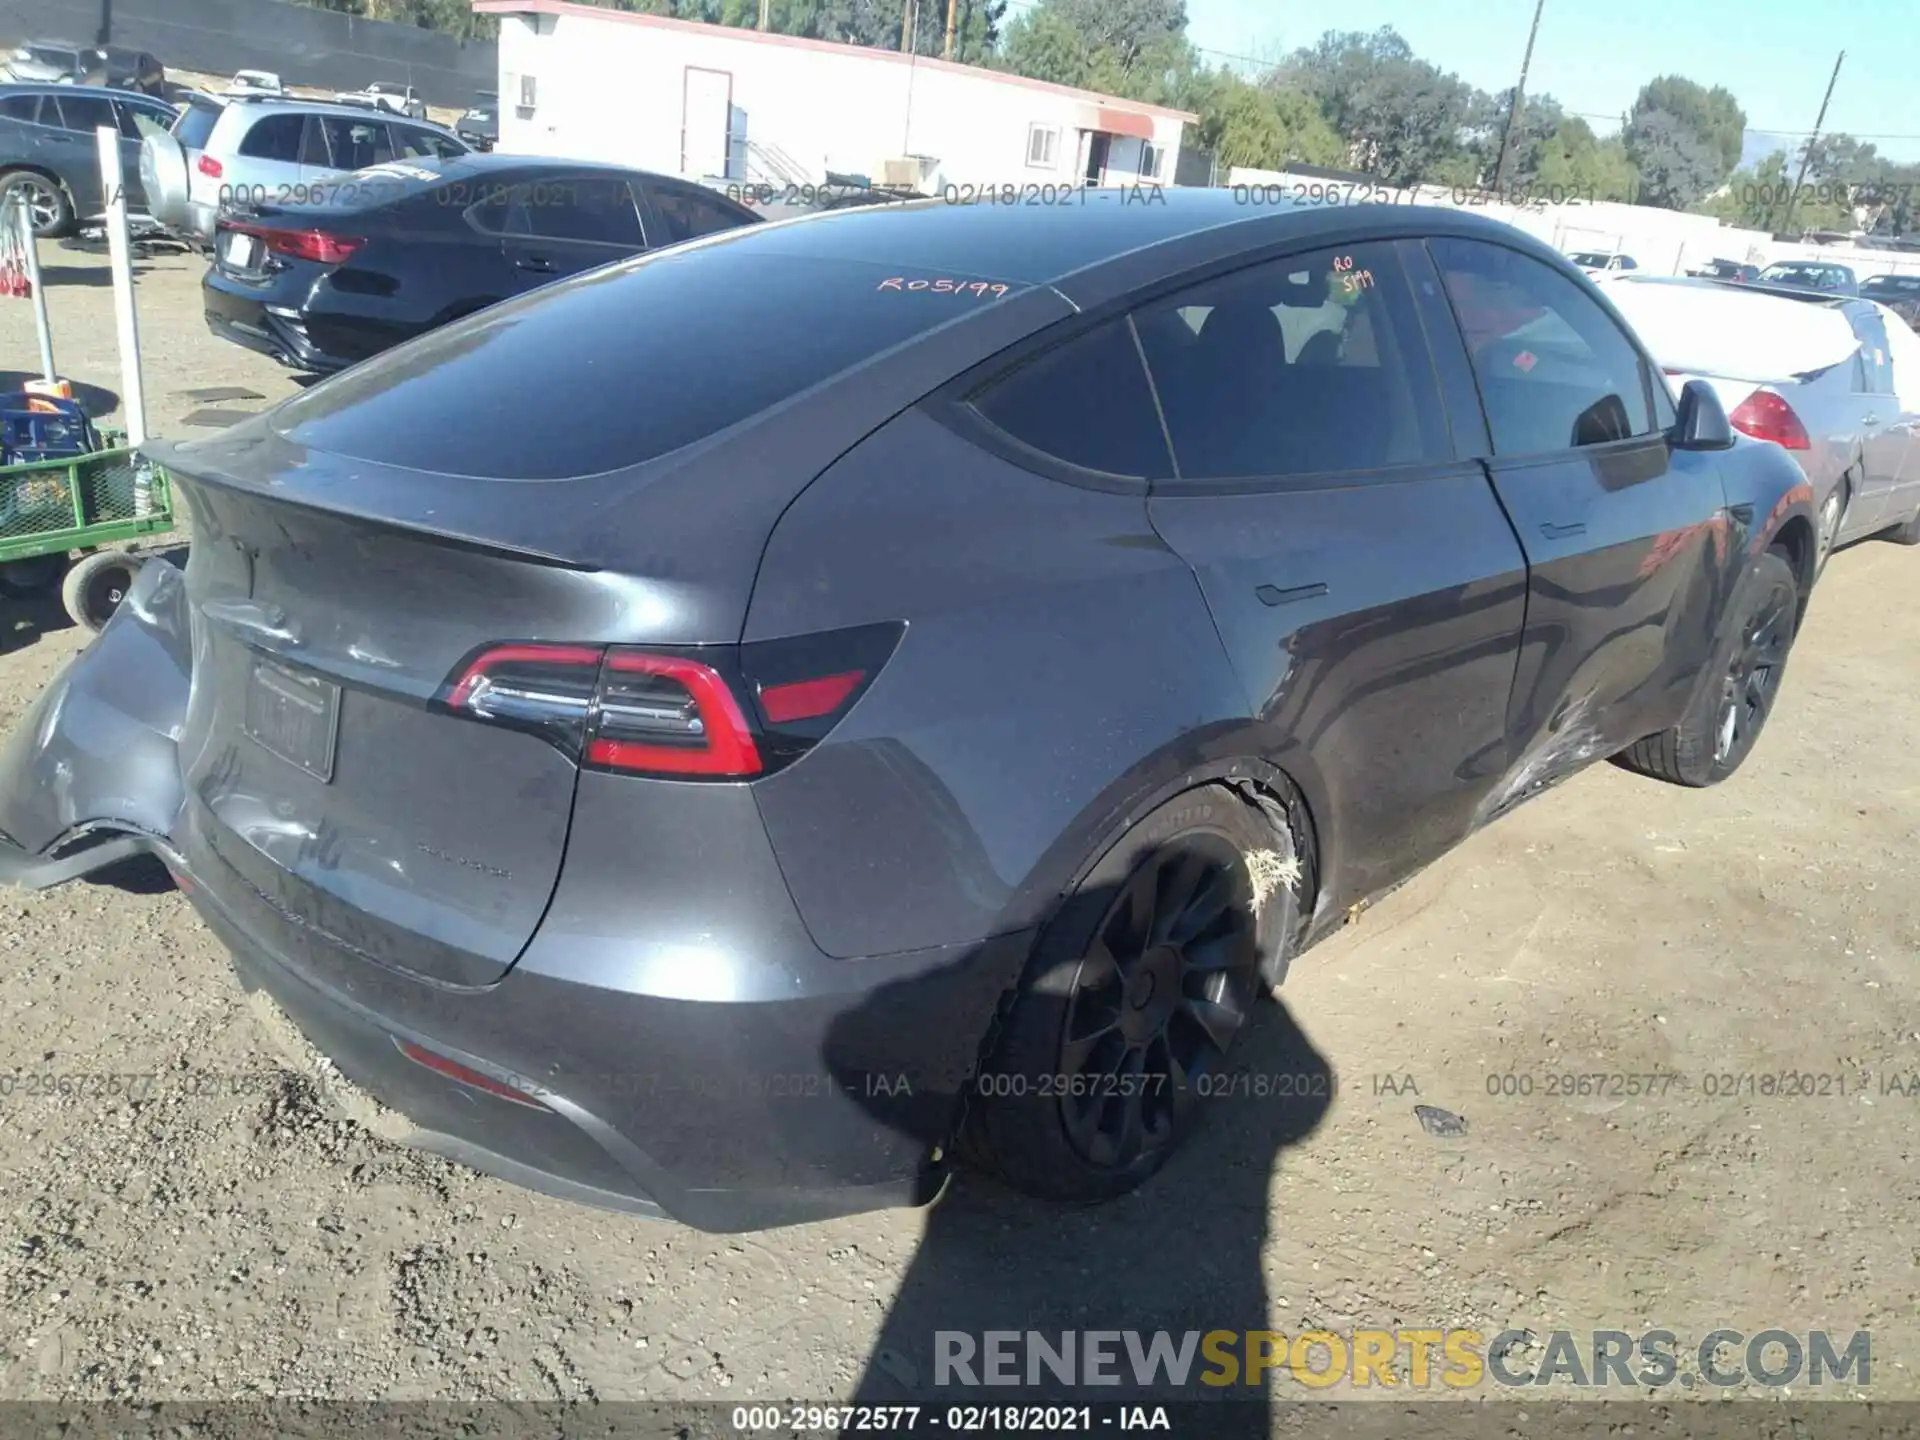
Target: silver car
[(269, 152), (1835, 381)]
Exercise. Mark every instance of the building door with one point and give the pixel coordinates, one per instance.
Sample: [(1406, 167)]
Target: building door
[(706, 108), (1098, 144)]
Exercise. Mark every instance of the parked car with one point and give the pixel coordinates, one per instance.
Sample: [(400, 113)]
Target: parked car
[(395, 251), (1899, 293), (255, 83), (48, 149), (1821, 378), (1823, 276), (1732, 270), (394, 100), (479, 125), (1597, 261), (678, 734), (266, 152), (61, 62)]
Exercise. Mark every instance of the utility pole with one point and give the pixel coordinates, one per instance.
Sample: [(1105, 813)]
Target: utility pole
[(1793, 195), (953, 10), (907, 16), (765, 5), (1519, 99)]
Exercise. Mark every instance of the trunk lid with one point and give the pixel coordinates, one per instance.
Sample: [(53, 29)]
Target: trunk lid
[(313, 765)]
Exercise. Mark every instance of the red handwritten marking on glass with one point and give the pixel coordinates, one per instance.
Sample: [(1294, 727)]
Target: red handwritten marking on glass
[(975, 288), (1525, 360)]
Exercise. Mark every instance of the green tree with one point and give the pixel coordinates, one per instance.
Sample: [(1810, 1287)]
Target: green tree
[(1404, 120), (1258, 127), (1712, 115), (1684, 140), (1134, 48), (1572, 161)]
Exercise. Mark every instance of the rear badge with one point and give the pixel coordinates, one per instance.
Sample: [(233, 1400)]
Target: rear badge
[(295, 717)]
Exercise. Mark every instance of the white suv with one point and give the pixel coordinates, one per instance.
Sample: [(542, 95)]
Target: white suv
[(269, 152)]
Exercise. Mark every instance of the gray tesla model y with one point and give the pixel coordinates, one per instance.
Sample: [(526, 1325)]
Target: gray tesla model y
[(730, 732)]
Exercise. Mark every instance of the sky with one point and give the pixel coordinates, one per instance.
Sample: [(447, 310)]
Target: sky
[(1594, 55)]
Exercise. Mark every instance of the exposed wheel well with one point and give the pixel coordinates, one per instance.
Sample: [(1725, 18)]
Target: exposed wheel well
[(1796, 541)]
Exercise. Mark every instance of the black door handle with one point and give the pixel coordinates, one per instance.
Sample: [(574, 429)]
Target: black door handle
[(1272, 595), (534, 264), (1562, 532)]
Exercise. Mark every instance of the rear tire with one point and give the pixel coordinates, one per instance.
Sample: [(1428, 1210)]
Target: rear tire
[(1907, 534), (1737, 689), (96, 585), (51, 205), (1132, 999)]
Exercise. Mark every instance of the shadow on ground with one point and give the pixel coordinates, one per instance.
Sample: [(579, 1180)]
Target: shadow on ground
[(1182, 1254)]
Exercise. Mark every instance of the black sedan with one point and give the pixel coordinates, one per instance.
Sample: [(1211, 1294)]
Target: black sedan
[(352, 266)]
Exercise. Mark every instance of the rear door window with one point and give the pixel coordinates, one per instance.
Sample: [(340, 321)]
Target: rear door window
[(1085, 402), (593, 209), (352, 144), (274, 137), (20, 107), (1555, 371), (412, 144), (86, 113), (1304, 365), (687, 212)]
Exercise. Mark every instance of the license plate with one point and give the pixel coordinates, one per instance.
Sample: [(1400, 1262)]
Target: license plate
[(296, 717), (240, 250)]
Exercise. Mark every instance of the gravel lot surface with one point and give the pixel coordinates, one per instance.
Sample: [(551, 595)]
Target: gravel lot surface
[(226, 1235)]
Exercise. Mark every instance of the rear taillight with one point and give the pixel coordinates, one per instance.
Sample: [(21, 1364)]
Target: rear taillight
[(710, 712), (208, 166), (1766, 416), (314, 245)]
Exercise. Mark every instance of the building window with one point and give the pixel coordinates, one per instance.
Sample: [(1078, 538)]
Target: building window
[(524, 89), (1149, 161), (1043, 147)]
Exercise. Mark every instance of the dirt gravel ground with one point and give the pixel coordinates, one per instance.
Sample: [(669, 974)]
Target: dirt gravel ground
[(224, 1237)]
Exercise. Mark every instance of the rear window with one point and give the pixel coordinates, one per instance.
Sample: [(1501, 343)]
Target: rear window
[(624, 364), (195, 124)]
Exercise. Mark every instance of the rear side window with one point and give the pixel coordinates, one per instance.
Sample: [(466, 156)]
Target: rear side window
[(659, 352), (195, 124), (1309, 364), (1555, 371), (274, 137), (86, 113), (687, 212), (1085, 402), (19, 107), (1874, 358), (592, 209), (351, 144), (411, 144)]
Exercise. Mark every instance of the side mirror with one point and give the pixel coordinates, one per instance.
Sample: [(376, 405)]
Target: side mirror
[(1702, 420)]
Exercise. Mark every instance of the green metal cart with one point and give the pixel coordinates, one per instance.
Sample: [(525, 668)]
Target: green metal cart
[(90, 507)]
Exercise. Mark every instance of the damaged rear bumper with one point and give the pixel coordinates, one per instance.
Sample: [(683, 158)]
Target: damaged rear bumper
[(91, 776)]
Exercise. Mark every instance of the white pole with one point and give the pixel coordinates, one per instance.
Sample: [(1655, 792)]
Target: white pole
[(120, 249), (42, 328)]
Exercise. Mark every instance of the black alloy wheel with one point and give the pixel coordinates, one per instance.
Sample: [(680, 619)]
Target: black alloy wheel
[(1165, 986)]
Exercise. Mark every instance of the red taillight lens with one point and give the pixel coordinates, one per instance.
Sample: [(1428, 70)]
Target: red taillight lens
[(209, 167), (667, 715), (673, 712), (1766, 416), (314, 245)]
